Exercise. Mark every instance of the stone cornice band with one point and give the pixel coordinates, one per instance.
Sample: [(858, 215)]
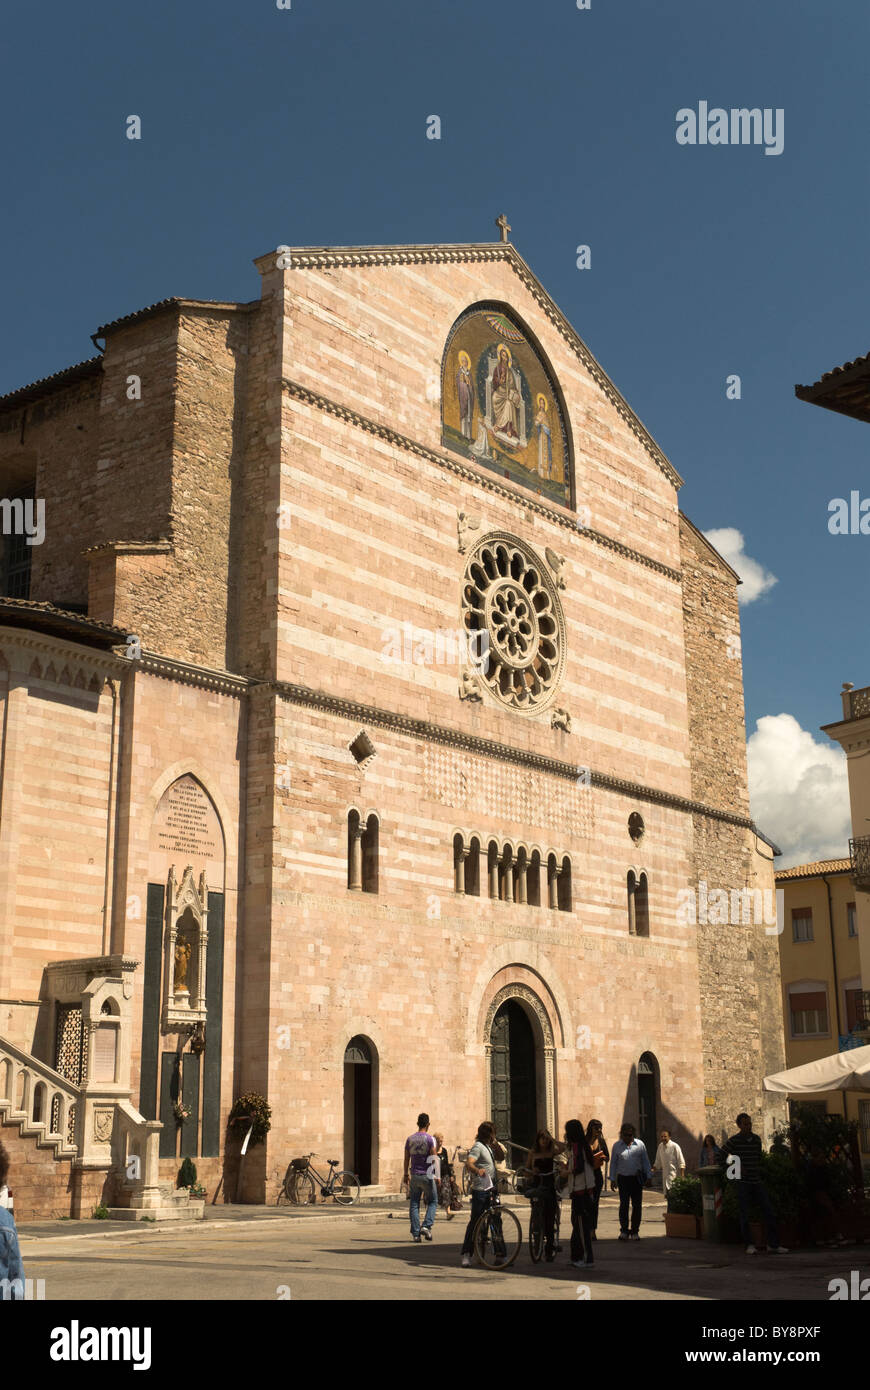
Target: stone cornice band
[(490, 748), (116, 664), (307, 396)]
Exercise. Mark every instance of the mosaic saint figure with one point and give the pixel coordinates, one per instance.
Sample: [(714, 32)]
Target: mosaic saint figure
[(545, 438), (506, 397), (465, 393)]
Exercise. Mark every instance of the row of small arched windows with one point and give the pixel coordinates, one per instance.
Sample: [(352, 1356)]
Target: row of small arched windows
[(511, 876)]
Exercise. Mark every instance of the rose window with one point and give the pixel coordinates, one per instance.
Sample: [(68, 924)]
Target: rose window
[(513, 617)]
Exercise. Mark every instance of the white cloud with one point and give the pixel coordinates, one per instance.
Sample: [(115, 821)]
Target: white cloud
[(756, 579), (798, 791)]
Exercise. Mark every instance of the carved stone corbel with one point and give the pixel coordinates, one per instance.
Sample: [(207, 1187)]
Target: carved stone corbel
[(557, 565), (465, 525), (561, 719), (469, 686)]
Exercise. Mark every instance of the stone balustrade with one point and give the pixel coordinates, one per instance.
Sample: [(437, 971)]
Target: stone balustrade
[(44, 1104)]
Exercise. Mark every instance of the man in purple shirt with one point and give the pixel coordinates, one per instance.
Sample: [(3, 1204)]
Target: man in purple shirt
[(419, 1159)]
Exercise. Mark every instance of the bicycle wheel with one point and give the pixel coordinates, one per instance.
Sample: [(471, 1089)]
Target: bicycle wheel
[(346, 1189), (498, 1236), (302, 1192), (467, 1179), (536, 1233)]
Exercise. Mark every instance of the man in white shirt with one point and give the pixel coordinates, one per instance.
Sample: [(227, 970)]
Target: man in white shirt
[(669, 1160)]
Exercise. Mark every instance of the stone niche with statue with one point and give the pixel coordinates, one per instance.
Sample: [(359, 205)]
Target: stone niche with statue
[(186, 953)]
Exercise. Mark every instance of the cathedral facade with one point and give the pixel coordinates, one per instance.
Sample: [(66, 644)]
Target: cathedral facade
[(368, 708)]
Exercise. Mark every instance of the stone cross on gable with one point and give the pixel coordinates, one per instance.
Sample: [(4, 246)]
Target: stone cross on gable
[(504, 226)]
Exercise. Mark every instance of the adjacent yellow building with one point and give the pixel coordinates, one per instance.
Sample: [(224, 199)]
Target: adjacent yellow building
[(822, 994)]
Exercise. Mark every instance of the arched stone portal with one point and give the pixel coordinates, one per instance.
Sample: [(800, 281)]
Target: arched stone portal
[(520, 1065)]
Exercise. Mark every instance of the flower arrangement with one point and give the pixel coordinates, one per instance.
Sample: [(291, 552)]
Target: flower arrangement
[(180, 1111)]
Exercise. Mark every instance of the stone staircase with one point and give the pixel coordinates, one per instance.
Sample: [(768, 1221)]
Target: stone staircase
[(77, 1162), (32, 1094)]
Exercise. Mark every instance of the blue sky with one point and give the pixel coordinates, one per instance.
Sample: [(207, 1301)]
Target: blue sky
[(307, 126)]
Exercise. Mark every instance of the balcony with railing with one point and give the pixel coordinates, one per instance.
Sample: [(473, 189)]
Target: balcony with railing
[(859, 854), (856, 703)]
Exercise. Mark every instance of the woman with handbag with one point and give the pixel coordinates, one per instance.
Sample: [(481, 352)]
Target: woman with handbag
[(581, 1185), (600, 1157)]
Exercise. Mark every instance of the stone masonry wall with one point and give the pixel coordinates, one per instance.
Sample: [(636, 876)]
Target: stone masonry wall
[(738, 964)]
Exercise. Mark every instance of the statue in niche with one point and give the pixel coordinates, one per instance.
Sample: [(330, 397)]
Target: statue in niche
[(182, 961)]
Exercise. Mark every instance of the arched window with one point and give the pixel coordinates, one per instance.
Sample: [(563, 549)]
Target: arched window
[(492, 868), (552, 882), (641, 907), (362, 853), (563, 886), (460, 854), (521, 876), (506, 875), (472, 869), (533, 880)]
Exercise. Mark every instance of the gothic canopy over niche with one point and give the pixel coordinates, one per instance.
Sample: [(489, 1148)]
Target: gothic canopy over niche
[(514, 619), (500, 406)]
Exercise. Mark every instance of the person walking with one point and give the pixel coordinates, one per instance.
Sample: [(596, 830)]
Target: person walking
[(744, 1149), (542, 1161), (630, 1172), (419, 1173), (481, 1164), (669, 1160), (581, 1185), (600, 1158), (10, 1255), (711, 1154), (444, 1176)]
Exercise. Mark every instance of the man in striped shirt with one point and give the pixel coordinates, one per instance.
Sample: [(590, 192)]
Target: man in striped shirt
[(741, 1155)]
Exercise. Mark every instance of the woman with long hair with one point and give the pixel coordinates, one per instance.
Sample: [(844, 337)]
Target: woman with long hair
[(581, 1185), (600, 1158), (481, 1164), (541, 1161)]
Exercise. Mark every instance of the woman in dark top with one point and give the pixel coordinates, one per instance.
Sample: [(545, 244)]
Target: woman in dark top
[(600, 1159), (582, 1188), (541, 1160)]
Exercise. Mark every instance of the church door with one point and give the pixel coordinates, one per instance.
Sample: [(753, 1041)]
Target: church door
[(512, 1073), (358, 1109), (646, 1103)]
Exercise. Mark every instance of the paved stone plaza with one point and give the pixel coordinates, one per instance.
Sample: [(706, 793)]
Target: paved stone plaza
[(253, 1253)]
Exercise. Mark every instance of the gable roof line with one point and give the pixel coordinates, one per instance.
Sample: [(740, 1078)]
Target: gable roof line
[(710, 546), (314, 257)]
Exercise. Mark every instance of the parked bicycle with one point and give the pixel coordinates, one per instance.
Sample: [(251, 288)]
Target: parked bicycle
[(302, 1179), (498, 1234)]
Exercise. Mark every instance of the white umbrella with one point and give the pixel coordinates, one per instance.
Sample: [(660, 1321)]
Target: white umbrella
[(845, 1071)]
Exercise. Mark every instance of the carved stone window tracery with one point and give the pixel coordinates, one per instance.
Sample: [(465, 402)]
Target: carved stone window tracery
[(512, 613)]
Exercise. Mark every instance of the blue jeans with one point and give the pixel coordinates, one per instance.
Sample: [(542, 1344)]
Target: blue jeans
[(479, 1202), (417, 1188), (745, 1192)]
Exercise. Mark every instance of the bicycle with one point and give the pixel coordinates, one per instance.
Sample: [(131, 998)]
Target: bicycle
[(301, 1176), (528, 1185), (494, 1246)]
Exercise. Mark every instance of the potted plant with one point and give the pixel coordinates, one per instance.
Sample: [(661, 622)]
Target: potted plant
[(683, 1216)]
